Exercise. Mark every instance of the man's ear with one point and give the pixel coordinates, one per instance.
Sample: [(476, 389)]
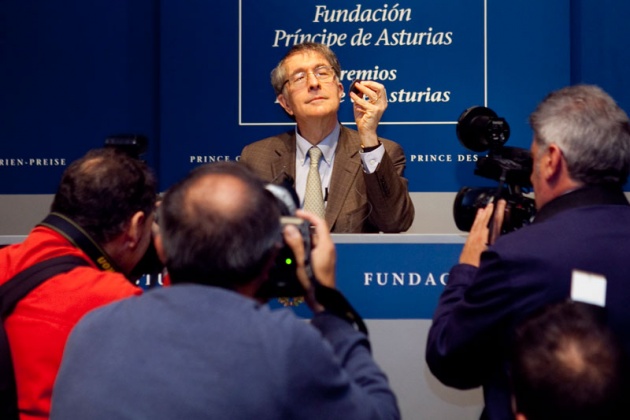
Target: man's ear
[(552, 163), (340, 94), (284, 104), (136, 229)]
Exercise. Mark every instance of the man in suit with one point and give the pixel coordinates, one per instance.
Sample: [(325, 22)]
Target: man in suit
[(580, 235), (361, 174)]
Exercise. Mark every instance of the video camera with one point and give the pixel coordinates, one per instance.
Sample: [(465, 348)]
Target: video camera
[(480, 129)]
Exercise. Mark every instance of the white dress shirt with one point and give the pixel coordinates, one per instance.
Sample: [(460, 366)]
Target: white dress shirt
[(328, 146)]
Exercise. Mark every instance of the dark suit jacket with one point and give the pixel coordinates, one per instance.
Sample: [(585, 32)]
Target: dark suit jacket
[(357, 202), (477, 312)]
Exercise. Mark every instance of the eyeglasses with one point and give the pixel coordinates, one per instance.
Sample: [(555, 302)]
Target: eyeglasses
[(321, 73)]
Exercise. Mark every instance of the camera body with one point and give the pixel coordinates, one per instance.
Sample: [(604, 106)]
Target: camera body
[(480, 129), (518, 209), (283, 280), (134, 145)]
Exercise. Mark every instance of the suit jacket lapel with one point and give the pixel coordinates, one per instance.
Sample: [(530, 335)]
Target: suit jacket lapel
[(346, 167), (283, 166)]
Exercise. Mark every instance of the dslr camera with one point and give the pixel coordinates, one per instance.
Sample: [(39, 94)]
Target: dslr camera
[(480, 129), (283, 280)]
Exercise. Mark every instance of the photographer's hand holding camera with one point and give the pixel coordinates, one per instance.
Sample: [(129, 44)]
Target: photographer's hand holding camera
[(484, 232), (578, 163), (323, 257)]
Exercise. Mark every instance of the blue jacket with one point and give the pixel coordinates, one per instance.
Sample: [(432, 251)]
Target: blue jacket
[(468, 343), (200, 352)]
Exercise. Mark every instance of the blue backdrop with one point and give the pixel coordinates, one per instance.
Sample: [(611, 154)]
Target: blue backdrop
[(194, 76)]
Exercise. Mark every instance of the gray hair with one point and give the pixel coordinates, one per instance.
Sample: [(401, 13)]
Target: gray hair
[(590, 129), (279, 74)]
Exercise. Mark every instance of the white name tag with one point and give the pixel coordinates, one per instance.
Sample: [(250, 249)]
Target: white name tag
[(588, 288)]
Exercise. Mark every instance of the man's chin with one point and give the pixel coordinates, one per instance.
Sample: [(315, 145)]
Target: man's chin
[(321, 108)]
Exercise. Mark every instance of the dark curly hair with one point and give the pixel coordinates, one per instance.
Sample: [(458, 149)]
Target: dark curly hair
[(101, 191)]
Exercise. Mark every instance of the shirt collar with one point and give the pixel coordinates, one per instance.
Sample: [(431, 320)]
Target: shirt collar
[(327, 146)]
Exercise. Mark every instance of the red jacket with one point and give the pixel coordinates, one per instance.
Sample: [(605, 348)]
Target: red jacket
[(40, 324)]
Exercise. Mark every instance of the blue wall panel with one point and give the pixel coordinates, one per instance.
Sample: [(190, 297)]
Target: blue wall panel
[(71, 73), (194, 76)]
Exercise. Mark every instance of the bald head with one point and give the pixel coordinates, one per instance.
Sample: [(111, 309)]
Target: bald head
[(219, 226), (220, 195), (567, 363)]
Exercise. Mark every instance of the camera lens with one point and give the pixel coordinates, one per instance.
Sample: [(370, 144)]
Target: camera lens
[(479, 129), (467, 201), (519, 210)]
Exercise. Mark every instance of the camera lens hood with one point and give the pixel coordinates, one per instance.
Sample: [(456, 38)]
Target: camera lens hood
[(479, 129)]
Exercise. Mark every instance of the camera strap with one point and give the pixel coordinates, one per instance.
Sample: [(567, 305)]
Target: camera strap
[(79, 238), (11, 292), (336, 303)]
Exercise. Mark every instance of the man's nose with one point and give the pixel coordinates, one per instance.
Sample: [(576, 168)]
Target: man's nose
[(312, 80)]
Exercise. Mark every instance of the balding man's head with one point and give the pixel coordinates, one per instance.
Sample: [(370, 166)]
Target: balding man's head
[(219, 226)]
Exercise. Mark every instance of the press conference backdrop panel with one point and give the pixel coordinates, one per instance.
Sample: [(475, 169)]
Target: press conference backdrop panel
[(194, 77)]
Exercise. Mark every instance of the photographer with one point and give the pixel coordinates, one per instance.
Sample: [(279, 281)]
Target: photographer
[(207, 347), (109, 198), (581, 154)]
